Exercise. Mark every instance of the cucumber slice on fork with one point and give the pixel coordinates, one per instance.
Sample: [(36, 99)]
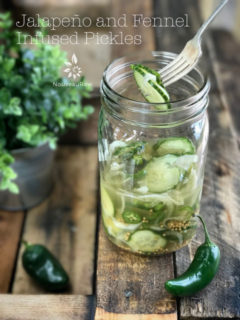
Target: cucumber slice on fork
[(150, 85)]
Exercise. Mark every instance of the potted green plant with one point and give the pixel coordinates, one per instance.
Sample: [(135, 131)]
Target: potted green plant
[(33, 114)]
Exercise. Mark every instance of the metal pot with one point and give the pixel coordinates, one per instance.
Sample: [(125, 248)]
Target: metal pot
[(35, 179)]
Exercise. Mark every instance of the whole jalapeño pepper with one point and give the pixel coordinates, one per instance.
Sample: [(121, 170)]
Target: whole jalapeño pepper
[(200, 272), (44, 268)]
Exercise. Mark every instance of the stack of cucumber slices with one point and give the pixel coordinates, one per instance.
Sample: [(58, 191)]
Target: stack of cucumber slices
[(149, 209)]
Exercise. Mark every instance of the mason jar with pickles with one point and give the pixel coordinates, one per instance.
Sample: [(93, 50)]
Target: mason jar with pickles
[(152, 150)]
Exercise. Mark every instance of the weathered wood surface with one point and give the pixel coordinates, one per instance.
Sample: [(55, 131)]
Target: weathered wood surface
[(45, 307), (130, 284), (220, 206), (220, 201), (66, 222), (10, 230), (226, 56)]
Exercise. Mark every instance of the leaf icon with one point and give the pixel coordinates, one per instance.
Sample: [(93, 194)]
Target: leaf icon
[(74, 59)]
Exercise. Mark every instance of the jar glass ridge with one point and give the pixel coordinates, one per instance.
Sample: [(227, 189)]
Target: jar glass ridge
[(137, 215)]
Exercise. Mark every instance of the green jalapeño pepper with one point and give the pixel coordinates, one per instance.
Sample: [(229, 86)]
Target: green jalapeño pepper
[(43, 267), (200, 272)]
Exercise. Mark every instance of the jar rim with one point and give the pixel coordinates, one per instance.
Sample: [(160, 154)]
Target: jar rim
[(176, 105)]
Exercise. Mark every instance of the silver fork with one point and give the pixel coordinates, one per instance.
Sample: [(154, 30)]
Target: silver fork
[(189, 56)]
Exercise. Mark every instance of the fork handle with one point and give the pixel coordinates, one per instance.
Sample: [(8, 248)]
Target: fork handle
[(210, 19)]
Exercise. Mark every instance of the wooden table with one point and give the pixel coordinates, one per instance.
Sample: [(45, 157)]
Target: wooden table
[(107, 283)]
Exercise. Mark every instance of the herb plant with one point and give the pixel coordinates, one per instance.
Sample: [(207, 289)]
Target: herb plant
[(33, 110)]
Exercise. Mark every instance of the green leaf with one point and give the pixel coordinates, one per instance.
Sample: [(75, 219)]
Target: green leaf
[(88, 110), (7, 174), (4, 97), (14, 107), (8, 64), (13, 187), (5, 159), (28, 133)]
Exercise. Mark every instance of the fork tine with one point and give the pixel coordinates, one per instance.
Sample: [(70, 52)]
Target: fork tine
[(178, 76), (169, 66), (174, 66), (181, 72), (176, 71)]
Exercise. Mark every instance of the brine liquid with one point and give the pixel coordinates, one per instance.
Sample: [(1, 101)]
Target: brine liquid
[(168, 217)]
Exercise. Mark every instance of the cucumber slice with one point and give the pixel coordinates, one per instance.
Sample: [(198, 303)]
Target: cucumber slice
[(151, 86), (161, 175), (149, 73), (184, 162), (189, 190), (146, 241), (107, 205), (177, 146)]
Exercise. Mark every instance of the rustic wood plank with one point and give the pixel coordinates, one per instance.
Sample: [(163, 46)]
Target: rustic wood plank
[(220, 208), (225, 53), (65, 222), (220, 202), (220, 205), (47, 307), (130, 284), (10, 230), (120, 7), (101, 314)]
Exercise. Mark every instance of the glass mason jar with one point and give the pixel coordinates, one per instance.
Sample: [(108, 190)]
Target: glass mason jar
[(151, 160)]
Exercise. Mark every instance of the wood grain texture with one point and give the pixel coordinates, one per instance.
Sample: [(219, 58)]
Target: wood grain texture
[(225, 54), (65, 223), (220, 202), (131, 284), (220, 208), (10, 231), (120, 7), (45, 307), (103, 315)]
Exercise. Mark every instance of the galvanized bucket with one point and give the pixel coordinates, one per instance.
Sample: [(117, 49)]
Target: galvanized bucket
[(35, 178)]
